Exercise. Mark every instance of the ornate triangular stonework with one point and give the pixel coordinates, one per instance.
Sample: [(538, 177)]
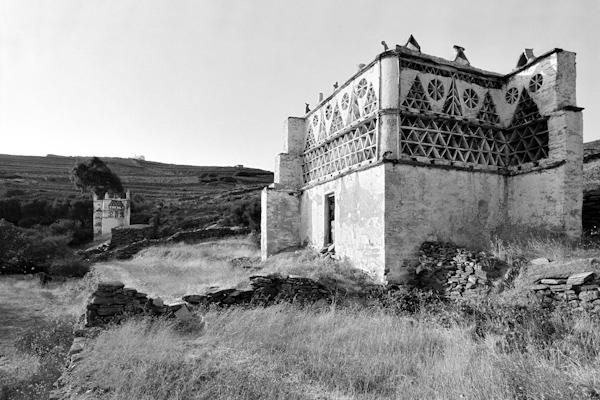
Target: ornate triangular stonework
[(416, 98), (310, 139), (488, 110), (526, 111), (354, 112), (452, 104), (336, 120)]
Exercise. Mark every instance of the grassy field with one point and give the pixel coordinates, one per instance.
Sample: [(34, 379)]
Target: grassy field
[(48, 177), (486, 350), (35, 332)]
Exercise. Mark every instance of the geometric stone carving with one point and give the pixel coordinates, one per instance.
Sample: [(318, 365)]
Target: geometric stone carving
[(536, 82), (528, 132), (470, 98), (351, 148), (488, 112), (371, 103), (416, 99), (336, 123), (310, 139), (448, 139), (435, 89), (452, 104), (511, 95)]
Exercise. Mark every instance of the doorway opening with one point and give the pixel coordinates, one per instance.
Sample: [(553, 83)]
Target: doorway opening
[(329, 219)]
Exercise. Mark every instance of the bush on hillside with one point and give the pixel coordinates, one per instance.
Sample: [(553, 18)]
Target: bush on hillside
[(244, 213), (14, 193), (70, 267), (30, 251)]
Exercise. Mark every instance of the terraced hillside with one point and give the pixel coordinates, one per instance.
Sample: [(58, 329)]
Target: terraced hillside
[(189, 192)]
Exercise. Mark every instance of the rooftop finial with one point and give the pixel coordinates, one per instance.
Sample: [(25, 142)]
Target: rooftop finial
[(335, 85), (412, 44), (361, 66), (460, 55), (306, 108), (525, 57), (320, 97), (385, 46)]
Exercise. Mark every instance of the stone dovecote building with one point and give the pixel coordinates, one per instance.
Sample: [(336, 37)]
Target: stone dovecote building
[(414, 147), (110, 212)]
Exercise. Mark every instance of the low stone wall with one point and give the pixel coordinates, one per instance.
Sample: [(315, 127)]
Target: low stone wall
[(124, 235), (457, 272), (266, 289), (104, 253), (579, 291), (209, 233), (112, 302)]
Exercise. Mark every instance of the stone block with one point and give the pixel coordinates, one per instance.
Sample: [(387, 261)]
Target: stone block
[(538, 287), (553, 281), (580, 278), (539, 261)]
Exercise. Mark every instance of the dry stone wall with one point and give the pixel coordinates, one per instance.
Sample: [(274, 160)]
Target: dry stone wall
[(112, 302), (265, 290), (122, 236), (580, 291)]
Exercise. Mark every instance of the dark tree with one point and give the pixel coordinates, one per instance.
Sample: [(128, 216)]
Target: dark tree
[(95, 176)]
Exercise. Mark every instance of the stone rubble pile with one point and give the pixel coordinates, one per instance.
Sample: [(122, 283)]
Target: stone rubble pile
[(456, 272), (112, 302), (580, 290), (265, 289)]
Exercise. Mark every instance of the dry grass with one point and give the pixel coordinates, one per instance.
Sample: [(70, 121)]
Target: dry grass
[(25, 308), (171, 271), (283, 352)]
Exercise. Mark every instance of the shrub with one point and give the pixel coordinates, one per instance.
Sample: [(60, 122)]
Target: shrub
[(69, 267), (244, 213), (29, 251), (14, 192), (10, 210)]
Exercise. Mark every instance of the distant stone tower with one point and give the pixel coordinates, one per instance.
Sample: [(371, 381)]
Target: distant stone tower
[(110, 212)]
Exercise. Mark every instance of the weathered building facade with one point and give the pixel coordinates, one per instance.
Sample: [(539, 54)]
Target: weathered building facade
[(414, 147), (110, 212)]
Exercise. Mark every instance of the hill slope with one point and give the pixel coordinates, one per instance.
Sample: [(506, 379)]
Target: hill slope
[(48, 177), (192, 196)]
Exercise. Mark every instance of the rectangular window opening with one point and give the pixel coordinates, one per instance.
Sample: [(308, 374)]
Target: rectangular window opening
[(329, 219)]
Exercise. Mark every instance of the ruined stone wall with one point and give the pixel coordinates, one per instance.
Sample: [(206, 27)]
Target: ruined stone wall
[(438, 204), (124, 235), (359, 219)]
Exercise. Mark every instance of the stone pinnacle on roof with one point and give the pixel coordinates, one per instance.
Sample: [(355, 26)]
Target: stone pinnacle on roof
[(412, 44), (385, 46), (460, 55), (525, 57)]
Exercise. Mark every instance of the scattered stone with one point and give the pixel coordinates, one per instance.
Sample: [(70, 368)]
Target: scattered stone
[(539, 261), (553, 281), (538, 287), (580, 279)]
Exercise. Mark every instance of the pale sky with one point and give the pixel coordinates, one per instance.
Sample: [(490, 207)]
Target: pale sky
[(211, 82)]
